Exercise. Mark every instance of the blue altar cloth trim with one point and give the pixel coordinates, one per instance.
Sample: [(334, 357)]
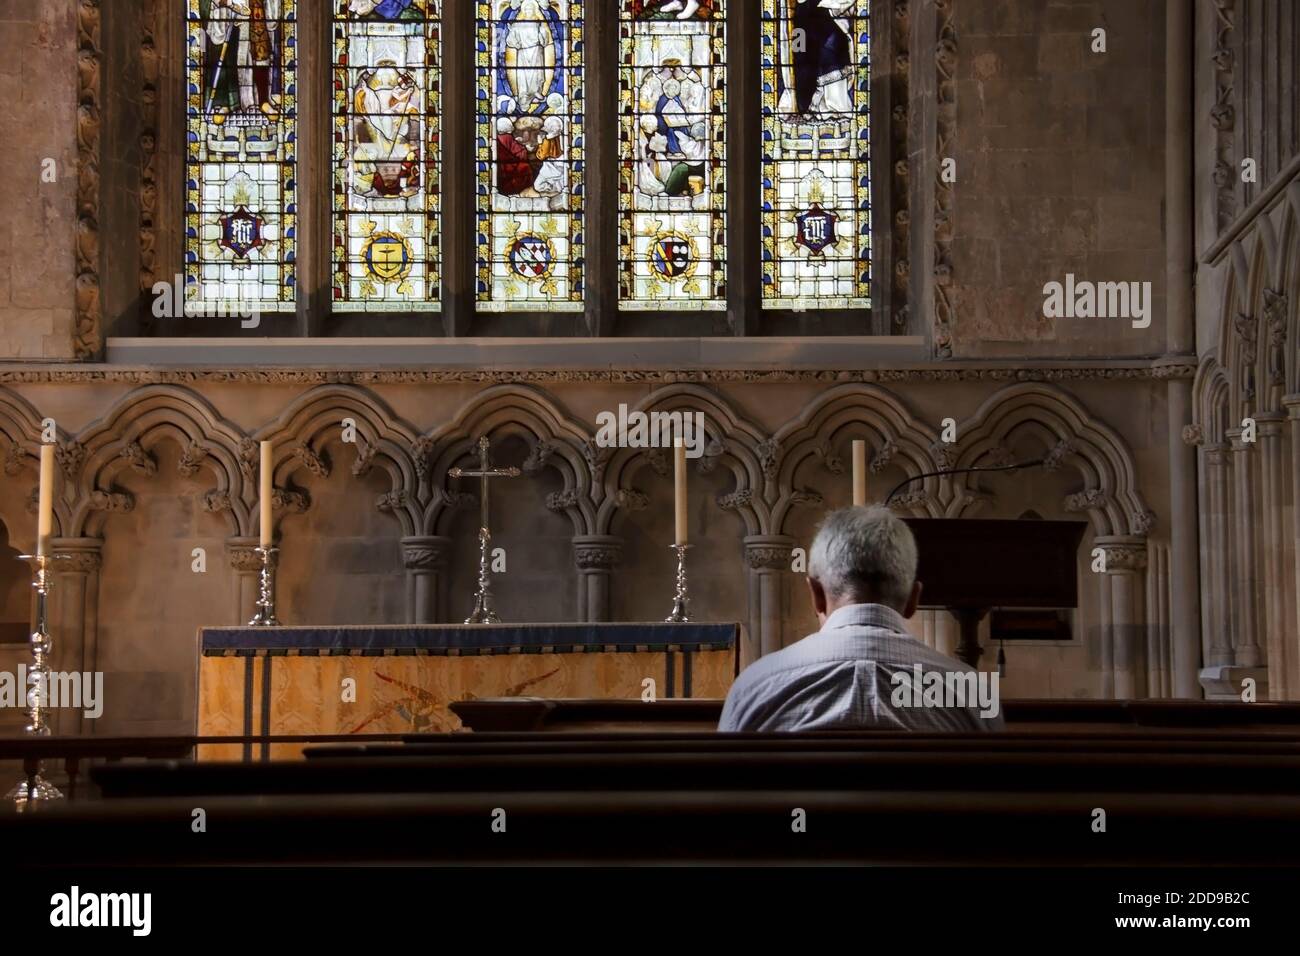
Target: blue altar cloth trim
[(457, 639)]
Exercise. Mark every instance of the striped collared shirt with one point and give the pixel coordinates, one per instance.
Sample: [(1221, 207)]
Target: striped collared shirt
[(842, 678)]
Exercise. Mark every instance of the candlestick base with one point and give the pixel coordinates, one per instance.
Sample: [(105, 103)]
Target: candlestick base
[(265, 616), (35, 789), (680, 613), (483, 612)]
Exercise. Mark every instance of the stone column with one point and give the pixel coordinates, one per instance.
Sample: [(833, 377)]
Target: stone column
[(768, 557), (596, 557), (1180, 346), (1126, 562), (74, 613), (1278, 629), (459, 97), (247, 565), (1292, 403), (1218, 613), (315, 173), (601, 163), (1246, 649), (744, 167), (425, 560)]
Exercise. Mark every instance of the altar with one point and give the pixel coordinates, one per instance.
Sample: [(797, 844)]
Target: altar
[(387, 679)]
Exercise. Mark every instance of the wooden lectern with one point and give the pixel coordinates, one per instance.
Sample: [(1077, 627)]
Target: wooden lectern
[(969, 566)]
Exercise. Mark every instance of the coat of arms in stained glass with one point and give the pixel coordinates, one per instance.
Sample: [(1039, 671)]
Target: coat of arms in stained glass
[(816, 154), (240, 155), (530, 154)]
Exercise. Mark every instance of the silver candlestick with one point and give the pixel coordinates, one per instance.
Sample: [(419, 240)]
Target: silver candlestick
[(36, 788), (265, 616), (483, 612), (680, 600)]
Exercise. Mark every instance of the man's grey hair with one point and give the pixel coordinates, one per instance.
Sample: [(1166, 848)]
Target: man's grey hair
[(864, 555)]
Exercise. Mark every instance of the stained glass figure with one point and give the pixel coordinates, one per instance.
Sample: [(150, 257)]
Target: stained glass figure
[(530, 154), (672, 188), (240, 155), (387, 104), (816, 154)]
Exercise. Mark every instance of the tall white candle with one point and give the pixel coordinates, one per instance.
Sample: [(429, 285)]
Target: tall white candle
[(679, 490), (45, 512), (264, 476), (859, 474)]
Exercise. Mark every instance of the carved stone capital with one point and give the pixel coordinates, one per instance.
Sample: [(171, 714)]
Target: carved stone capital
[(244, 558), (425, 553), (1193, 435), (78, 555), (769, 552), (1123, 555), (597, 552)]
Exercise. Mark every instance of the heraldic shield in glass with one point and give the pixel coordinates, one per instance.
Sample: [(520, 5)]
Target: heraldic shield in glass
[(672, 186), (816, 154), (387, 105), (241, 144), (530, 154)]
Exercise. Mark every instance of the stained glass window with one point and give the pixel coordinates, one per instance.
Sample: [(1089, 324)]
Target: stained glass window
[(387, 102), (241, 144), (672, 187), (816, 154), (530, 154)]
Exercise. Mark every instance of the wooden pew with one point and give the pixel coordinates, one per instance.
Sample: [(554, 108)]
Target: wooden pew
[(955, 769), (519, 714), (861, 827)]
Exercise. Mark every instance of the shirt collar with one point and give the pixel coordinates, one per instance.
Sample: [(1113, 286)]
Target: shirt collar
[(866, 615)]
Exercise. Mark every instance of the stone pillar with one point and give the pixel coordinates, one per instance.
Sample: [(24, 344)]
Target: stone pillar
[(247, 565), (315, 173), (602, 164), (1246, 649), (1292, 403), (1180, 346), (768, 557), (1278, 630), (743, 167), (459, 96), (74, 613), (596, 557), (1126, 562), (1218, 611), (425, 560)]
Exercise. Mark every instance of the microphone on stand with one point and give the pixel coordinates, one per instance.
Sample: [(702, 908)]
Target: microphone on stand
[(961, 471)]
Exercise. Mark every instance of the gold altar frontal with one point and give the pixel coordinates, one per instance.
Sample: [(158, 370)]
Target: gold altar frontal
[(401, 679)]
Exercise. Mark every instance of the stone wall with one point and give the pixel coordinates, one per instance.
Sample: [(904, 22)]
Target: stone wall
[(1060, 169), (38, 121)]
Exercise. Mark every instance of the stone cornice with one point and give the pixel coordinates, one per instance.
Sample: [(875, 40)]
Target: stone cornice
[(945, 373)]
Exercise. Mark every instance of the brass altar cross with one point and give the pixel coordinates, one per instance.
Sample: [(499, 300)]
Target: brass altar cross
[(483, 612)]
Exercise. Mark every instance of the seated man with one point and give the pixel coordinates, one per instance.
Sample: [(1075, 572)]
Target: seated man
[(862, 670)]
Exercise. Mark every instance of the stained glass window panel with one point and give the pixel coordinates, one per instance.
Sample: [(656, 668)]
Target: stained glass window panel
[(530, 154), (241, 143), (672, 185), (816, 154), (387, 104)]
